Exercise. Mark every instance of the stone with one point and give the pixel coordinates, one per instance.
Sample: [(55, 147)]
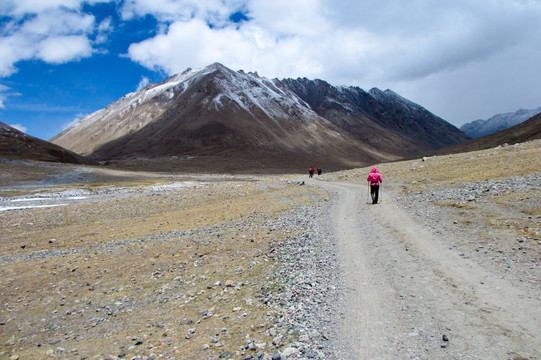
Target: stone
[(290, 351)]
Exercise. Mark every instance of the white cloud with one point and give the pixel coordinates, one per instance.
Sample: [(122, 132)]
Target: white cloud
[(23, 7), (61, 49), (104, 29), (3, 95), (144, 82), (184, 10), (19, 127), (53, 31)]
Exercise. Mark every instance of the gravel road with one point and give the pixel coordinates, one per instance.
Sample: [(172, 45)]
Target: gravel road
[(409, 295)]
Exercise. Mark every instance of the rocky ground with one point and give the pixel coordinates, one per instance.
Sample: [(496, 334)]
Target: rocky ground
[(147, 266), (204, 268)]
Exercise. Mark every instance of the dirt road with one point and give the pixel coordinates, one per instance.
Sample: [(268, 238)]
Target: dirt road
[(406, 289)]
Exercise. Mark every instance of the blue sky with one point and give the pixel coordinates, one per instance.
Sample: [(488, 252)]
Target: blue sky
[(63, 59)]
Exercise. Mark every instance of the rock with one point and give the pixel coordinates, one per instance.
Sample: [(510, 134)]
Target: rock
[(290, 351), (277, 340), (52, 241), (445, 338), (260, 346), (229, 283)]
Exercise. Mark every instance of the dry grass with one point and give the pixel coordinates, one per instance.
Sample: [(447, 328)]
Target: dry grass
[(414, 175), (145, 267)]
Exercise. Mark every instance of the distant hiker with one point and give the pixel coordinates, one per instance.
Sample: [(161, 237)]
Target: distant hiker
[(374, 178), (319, 171), (311, 171)]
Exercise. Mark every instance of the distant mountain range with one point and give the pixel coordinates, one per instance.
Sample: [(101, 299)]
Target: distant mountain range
[(15, 144), (218, 116), (525, 131), (478, 128)]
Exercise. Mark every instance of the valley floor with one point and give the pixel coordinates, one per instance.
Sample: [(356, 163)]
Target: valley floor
[(140, 266)]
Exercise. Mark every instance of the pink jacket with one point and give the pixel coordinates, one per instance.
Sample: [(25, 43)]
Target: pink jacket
[(374, 177)]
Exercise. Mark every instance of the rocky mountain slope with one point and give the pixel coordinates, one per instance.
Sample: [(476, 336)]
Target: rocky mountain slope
[(479, 128), (379, 118), (15, 144), (218, 113)]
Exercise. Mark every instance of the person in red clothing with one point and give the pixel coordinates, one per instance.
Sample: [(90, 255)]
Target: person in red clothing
[(374, 178), (311, 171)]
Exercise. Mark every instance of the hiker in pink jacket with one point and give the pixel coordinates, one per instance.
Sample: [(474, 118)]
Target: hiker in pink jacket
[(374, 178)]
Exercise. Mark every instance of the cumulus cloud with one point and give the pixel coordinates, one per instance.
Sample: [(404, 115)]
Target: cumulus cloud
[(54, 31), (391, 40), (215, 11), (24, 7)]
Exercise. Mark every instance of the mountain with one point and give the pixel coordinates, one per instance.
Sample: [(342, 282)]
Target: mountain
[(478, 128), (525, 131), (15, 144), (379, 118), (219, 118)]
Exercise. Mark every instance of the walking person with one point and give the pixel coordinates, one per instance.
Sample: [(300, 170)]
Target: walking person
[(374, 178), (311, 171)]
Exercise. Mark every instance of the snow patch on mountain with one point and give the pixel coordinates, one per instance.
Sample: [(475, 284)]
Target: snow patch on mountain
[(250, 91)]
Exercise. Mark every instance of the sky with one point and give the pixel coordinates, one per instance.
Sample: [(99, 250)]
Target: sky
[(463, 60)]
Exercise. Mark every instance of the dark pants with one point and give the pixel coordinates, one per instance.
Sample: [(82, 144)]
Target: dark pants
[(374, 192)]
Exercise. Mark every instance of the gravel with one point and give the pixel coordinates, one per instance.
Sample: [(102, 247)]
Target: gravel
[(311, 278)]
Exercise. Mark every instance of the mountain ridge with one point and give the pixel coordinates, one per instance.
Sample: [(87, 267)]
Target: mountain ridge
[(215, 111), (525, 131), (498, 122), (15, 144)]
